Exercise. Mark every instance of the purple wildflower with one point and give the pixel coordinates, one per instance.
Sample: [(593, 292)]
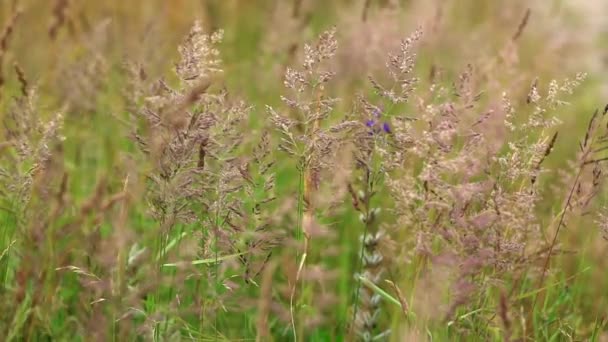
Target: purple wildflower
[(386, 127), (376, 126)]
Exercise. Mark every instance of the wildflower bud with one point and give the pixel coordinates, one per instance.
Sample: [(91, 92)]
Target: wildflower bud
[(371, 217), (362, 218), (373, 259), (375, 300), (361, 195)]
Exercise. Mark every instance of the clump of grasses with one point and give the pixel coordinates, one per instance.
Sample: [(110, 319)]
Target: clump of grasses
[(419, 207), (310, 137)]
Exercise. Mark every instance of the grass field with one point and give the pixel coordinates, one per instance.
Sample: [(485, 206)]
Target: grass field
[(303, 170)]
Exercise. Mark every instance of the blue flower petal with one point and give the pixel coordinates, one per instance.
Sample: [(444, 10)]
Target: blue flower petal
[(386, 127)]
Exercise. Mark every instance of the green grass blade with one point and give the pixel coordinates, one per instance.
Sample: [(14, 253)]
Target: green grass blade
[(205, 261)]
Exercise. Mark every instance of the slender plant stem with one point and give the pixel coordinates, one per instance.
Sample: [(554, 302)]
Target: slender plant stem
[(217, 280), (366, 231), (559, 225), (299, 227)]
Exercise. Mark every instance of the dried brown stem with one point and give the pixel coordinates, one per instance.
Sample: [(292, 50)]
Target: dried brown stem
[(522, 25), (4, 39), (587, 147), (59, 17)]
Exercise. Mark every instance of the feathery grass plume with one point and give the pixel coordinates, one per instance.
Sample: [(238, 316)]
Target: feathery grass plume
[(50, 227), (31, 141), (200, 57), (374, 146), (309, 136), (471, 199), (176, 124), (317, 279), (27, 176), (190, 137), (602, 222), (46, 229), (249, 216), (400, 68), (579, 195), (440, 195)]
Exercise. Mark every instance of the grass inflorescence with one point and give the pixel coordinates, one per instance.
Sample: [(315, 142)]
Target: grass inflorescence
[(360, 171)]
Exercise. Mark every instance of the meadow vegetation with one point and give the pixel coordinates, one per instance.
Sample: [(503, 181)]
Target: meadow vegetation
[(303, 170)]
